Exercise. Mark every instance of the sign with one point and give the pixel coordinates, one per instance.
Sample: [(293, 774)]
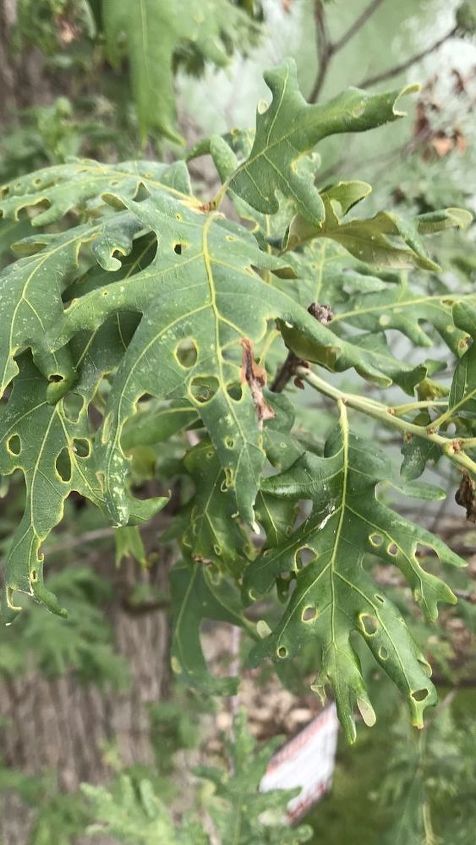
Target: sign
[(306, 761)]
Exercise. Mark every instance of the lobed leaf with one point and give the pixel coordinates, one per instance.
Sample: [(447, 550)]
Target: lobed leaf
[(334, 596)]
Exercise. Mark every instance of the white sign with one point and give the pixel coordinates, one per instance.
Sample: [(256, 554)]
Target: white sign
[(307, 761)]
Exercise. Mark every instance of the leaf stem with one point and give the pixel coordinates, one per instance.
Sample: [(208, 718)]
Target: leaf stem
[(451, 447), (413, 406)]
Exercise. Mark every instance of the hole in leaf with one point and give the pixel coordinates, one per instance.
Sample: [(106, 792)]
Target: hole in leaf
[(203, 389), (186, 353), (369, 624), (229, 442), (419, 694), (392, 549), (34, 576), (303, 556), (234, 391), (178, 248), (383, 653), (72, 406), (303, 512), (63, 465), (376, 540), (55, 377), (282, 652), (309, 613), (82, 447), (14, 444), (379, 598)]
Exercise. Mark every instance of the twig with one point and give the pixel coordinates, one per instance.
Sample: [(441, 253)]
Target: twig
[(417, 57), (451, 447), (286, 372), (326, 48), (325, 51), (358, 24)]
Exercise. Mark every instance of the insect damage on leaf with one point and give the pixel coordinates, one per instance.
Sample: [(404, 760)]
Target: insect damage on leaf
[(255, 377)]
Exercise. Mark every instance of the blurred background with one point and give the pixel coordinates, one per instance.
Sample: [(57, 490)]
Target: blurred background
[(92, 698)]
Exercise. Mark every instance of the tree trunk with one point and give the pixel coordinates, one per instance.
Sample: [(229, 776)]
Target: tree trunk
[(67, 727)]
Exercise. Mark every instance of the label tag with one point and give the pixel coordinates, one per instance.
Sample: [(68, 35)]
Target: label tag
[(308, 761)]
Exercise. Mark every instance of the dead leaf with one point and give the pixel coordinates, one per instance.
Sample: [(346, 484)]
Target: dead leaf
[(255, 377)]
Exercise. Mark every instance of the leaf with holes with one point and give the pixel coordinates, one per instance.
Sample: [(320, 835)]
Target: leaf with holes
[(53, 453), (335, 596), (51, 193), (204, 308)]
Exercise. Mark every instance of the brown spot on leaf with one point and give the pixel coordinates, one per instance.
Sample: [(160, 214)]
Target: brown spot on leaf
[(255, 377), (466, 496)]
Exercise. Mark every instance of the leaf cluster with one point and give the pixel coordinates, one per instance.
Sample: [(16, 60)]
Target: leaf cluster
[(140, 315)]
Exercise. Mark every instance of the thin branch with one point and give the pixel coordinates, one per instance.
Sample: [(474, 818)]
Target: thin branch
[(325, 50), (453, 448), (358, 24), (394, 71)]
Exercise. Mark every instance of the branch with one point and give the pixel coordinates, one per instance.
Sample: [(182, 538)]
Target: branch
[(452, 447), (327, 49), (394, 71), (358, 24)]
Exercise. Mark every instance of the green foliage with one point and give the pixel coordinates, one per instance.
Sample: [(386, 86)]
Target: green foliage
[(426, 773), (333, 596), (143, 316), (83, 643), (192, 37), (134, 813), (152, 36)]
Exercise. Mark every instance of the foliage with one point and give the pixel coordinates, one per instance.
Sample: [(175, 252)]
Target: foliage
[(234, 806), (139, 294), (422, 775), (150, 35), (82, 643)]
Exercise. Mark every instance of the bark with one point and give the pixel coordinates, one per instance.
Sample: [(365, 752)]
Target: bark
[(64, 726)]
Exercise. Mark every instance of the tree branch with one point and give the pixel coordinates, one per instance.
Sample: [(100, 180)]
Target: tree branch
[(326, 48), (358, 24), (394, 71)]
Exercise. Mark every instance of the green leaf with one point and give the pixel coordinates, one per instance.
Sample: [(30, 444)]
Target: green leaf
[(54, 455), (463, 386), (335, 596), (200, 593), (212, 532), (154, 32), (134, 813), (238, 805), (53, 192), (290, 128), (204, 309), (373, 241)]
